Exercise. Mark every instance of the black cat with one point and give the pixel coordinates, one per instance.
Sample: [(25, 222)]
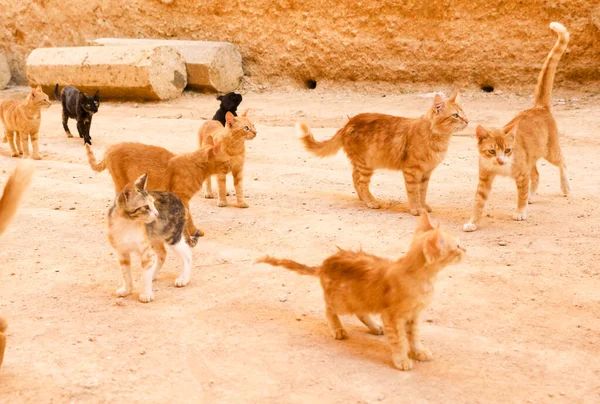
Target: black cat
[(79, 106), (229, 103)]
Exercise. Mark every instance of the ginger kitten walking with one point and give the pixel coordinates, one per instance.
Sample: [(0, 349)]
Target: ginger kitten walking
[(416, 146), (355, 282), (514, 150)]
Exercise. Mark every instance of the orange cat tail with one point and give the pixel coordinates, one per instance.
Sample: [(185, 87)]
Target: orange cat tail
[(322, 149), (13, 191), (543, 90), (3, 324), (289, 264), (92, 160)]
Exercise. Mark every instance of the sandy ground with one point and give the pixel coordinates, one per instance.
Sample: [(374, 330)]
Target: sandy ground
[(513, 323)]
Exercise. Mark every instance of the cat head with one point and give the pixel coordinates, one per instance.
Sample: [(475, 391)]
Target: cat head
[(89, 104), (496, 145), (447, 116), (136, 203), (240, 127), (439, 247), (38, 98), (230, 101), (218, 159)]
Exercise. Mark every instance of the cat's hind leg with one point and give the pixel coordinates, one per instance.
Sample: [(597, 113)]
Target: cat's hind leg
[(161, 255), (222, 180), (25, 143), (555, 157), (208, 192), (185, 253), (65, 120), (373, 327), (335, 325), (523, 182), (10, 136), (125, 264), (361, 175), (535, 182)]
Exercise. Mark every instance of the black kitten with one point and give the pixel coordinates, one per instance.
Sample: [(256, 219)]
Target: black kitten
[(229, 103), (79, 106)]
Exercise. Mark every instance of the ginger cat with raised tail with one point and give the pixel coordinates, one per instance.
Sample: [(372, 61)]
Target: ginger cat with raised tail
[(415, 146), (233, 137), (514, 150), (182, 174), (355, 282), (21, 120), (14, 190)]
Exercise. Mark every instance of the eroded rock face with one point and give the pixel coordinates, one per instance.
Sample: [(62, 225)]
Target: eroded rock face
[(137, 73), (4, 71)]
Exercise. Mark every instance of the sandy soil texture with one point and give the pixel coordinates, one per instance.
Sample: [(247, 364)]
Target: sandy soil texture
[(517, 321)]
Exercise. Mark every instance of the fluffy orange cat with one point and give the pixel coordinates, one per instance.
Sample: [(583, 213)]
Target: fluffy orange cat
[(21, 120), (182, 174), (376, 141), (233, 137), (355, 282), (514, 150)]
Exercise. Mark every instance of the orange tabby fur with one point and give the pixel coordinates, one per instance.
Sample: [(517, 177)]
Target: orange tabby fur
[(355, 282), (21, 120), (514, 150), (182, 174), (376, 141), (233, 138)]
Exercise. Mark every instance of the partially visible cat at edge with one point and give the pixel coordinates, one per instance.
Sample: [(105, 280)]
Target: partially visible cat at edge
[(416, 146), (355, 282), (14, 190), (142, 222), (21, 120), (182, 174), (79, 106), (514, 150)]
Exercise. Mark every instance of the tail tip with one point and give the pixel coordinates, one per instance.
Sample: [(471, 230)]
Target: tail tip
[(302, 129), (557, 27)]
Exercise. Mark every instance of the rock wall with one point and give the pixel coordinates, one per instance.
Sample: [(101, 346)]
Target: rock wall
[(402, 43)]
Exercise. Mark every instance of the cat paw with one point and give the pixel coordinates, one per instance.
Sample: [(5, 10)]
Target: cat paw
[(402, 362), (181, 282), (566, 189), (518, 216), (377, 330), (15, 155), (208, 196), (469, 227), (427, 208), (146, 298), (339, 333), (243, 204), (373, 205), (122, 292), (222, 204), (415, 211), (531, 199), (68, 134), (37, 157), (422, 355)]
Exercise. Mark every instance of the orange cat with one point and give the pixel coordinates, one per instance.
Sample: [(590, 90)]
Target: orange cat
[(181, 174), (233, 137), (376, 141), (514, 150), (363, 284), (21, 120)]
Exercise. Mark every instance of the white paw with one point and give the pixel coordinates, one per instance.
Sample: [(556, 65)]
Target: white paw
[(402, 362), (122, 292), (415, 211), (222, 204), (373, 205), (208, 196), (518, 216), (531, 199), (377, 330), (339, 333), (181, 282), (469, 226), (146, 298), (422, 355)]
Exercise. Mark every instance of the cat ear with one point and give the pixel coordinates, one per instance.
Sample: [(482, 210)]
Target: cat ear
[(122, 198), (481, 133), (39, 88), (220, 98), (140, 183), (438, 103), (433, 247), (424, 223), (97, 95), (229, 119), (245, 112), (455, 97), (512, 134)]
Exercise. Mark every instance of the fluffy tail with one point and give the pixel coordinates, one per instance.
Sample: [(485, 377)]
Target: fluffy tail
[(13, 191), (101, 166), (322, 149), (543, 90), (289, 264), (56, 94)]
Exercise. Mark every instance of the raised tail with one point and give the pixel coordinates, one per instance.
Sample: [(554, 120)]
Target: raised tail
[(56, 93), (543, 90), (289, 264), (322, 149), (101, 166), (13, 191)]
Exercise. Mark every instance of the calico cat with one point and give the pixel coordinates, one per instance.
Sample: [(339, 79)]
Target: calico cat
[(14, 190), (181, 174), (229, 103), (514, 150), (79, 106), (21, 120), (142, 222), (233, 138), (355, 282), (413, 145)]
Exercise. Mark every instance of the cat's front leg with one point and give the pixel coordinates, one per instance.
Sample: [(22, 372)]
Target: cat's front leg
[(25, 143), (222, 180), (35, 146), (238, 183), (423, 191), (10, 136), (125, 264), (412, 180), (395, 331), (149, 262), (208, 192), (523, 196), (483, 191), (417, 350)]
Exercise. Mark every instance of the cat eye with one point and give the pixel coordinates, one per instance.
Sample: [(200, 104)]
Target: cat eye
[(246, 128), (492, 151), (507, 151), (455, 116)]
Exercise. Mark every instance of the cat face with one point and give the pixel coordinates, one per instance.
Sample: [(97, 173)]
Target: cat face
[(137, 204), (447, 115), (89, 104), (439, 247), (496, 146), (241, 127), (39, 98), (230, 101)]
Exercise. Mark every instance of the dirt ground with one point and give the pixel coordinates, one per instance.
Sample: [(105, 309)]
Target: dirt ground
[(513, 323)]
